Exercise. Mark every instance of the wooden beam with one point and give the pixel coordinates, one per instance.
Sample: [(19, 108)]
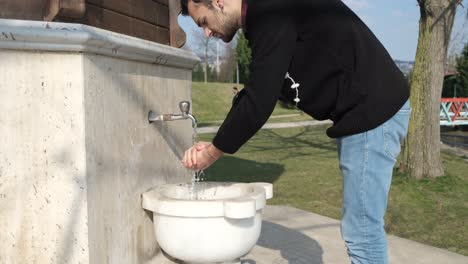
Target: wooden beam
[(146, 10), (109, 20), (164, 2), (22, 9), (178, 36), (65, 8)]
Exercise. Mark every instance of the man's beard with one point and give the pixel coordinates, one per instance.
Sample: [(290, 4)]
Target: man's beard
[(229, 28)]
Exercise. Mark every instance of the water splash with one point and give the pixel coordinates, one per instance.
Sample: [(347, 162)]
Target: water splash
[(197, 176), (197, 180)]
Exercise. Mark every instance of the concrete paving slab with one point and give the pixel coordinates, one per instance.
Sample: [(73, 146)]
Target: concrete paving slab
[(293, 236)]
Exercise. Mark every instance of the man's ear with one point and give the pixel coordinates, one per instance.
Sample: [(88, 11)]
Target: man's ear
[(219, 3)]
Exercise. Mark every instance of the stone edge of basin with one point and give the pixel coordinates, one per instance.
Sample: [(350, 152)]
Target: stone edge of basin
[(69, 37), (235, 208)]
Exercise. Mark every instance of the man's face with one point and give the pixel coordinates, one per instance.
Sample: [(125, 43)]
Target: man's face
[(216, 21)]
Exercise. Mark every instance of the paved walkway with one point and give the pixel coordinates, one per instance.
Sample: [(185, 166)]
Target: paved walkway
[(214, 129), (293, 236)]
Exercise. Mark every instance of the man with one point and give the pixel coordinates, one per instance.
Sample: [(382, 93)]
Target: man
[(318, 55), (235, 93)]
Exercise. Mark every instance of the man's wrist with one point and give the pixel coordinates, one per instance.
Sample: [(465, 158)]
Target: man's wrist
[(214, 152)]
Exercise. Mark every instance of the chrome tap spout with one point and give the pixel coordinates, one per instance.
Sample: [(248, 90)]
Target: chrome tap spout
[(194, 120), (184, 108)]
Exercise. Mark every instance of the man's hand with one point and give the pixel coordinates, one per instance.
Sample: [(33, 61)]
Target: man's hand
[(201, 155)]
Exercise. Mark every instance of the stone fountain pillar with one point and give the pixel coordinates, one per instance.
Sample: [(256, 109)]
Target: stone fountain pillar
[(76, 149)]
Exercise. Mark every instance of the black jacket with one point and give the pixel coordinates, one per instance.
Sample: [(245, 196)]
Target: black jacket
[(345, 73)]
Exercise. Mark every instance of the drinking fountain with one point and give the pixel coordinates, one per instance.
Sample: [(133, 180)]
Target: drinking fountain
[(213, 223)]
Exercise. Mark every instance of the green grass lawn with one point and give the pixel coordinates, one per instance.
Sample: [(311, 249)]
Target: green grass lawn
[(303, 166), (212, 101)]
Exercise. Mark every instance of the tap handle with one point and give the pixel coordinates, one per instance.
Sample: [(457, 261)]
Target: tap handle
[(184, 107)]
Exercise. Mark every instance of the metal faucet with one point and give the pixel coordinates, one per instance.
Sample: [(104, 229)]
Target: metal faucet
[(184, 108)]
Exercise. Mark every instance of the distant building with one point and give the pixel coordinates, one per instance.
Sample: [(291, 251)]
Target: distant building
[(405, 66)]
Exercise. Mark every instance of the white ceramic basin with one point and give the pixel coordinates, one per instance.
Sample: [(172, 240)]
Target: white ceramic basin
[(216, 223)]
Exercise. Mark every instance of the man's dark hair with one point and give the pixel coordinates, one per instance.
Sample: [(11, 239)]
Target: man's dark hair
[(184, 5)]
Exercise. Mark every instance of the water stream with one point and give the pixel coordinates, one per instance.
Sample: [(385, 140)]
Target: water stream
[(197, 176)]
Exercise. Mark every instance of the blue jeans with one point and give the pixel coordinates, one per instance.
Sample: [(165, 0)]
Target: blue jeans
[(366, 162)]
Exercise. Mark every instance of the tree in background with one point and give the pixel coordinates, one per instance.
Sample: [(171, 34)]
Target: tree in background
[(205, 48), (198, 73), (212, 75), (453, 84), (456, 84), (244, 57), (462, 69), (452, 87), (229, 64), (421, 154)]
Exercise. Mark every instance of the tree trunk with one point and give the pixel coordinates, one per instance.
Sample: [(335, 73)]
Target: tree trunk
[(205, 72), (207, 43), (421, 153)]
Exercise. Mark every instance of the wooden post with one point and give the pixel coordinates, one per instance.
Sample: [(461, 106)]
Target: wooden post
[(22, 9), (65, 8), (177, 35)]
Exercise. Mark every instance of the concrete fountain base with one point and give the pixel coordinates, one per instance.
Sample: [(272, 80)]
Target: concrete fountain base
[(76, 149)]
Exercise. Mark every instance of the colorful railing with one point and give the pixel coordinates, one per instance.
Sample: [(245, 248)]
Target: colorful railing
[(454, 111)]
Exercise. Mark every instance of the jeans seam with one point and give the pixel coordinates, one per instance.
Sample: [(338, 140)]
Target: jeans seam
[(387, 150), (363, 184)]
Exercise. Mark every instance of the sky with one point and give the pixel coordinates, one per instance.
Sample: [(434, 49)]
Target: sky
[(394, 22)]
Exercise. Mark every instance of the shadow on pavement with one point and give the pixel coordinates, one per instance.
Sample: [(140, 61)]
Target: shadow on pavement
[(293, 246)]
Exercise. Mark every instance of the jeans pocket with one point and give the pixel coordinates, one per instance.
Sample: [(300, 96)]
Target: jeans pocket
[(392, 144), (406, 108), (394, 132)]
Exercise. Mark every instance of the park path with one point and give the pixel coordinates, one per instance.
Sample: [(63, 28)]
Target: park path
[(214, 129), (293, 236)]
